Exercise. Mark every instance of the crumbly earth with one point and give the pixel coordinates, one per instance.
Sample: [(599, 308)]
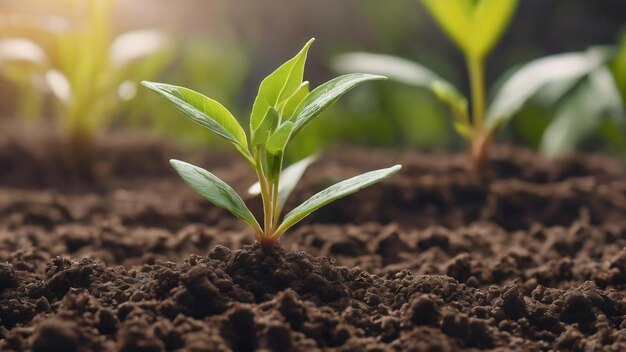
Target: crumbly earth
[(529, 256)]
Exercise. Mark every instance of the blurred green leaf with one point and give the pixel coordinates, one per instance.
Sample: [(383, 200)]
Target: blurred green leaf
[(395, 68), (455, 17), (465, 130), (614, 134), (490, 20), (407, 72), (619, 68), (532, 77), (131, 47), (581, 113), (22, 50), (475, 26)]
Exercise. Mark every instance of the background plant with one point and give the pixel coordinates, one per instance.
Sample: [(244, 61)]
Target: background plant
[(475, 27), (85, 68), (619, 68), (584, 107), (380, 115), (283, 107)]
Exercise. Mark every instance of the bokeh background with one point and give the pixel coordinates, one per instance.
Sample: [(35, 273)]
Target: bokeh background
[(224, 48)]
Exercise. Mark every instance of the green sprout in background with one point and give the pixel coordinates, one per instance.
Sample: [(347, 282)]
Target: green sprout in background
[(475, 27), (87, 70), (619, 68), (283, 107), (585, 106)]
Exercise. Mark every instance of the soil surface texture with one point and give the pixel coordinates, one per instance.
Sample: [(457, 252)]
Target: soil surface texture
[(118, 254)]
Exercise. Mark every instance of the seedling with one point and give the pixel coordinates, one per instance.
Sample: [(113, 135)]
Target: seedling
[(475, 26), (282, 108)]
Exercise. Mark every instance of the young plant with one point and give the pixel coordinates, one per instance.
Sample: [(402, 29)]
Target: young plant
[(475, 26), (282, 108)]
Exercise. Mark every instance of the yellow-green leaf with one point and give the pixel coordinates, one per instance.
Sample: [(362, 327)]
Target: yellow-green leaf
[(279, 139), (291, 104), (490, 20), (279, 85), (474, 26), (454, 17), (535, 75), (407, 72), (265, 129)]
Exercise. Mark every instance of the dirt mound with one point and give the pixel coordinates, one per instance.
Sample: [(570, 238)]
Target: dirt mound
[(254, 298)]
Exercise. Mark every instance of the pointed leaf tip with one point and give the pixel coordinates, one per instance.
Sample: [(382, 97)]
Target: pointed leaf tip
[(279, 85)]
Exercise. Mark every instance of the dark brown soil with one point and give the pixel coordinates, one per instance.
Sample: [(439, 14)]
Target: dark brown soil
[(528, 257)]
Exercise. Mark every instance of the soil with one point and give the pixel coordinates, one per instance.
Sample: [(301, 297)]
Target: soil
[(529, 256)]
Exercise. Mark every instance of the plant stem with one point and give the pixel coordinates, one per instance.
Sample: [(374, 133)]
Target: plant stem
[(480, 139), (265, 195), (479, 147), (476, 70), (267, 207), (275, 210), (277, 207)]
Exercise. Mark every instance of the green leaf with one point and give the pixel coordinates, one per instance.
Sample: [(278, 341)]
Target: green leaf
[(23, 50), (535, 75), (204, 111), (273, 165), (279, 85), (619, 68), (291, 104), (398, 69), (135, 46), (465, 130), (278, 141), (215, 191), (407, 72), (325, 95), (490, 20), (333, 193), (581, 113), (455, 101), (265, 129), (474, 26), (454, 17)]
